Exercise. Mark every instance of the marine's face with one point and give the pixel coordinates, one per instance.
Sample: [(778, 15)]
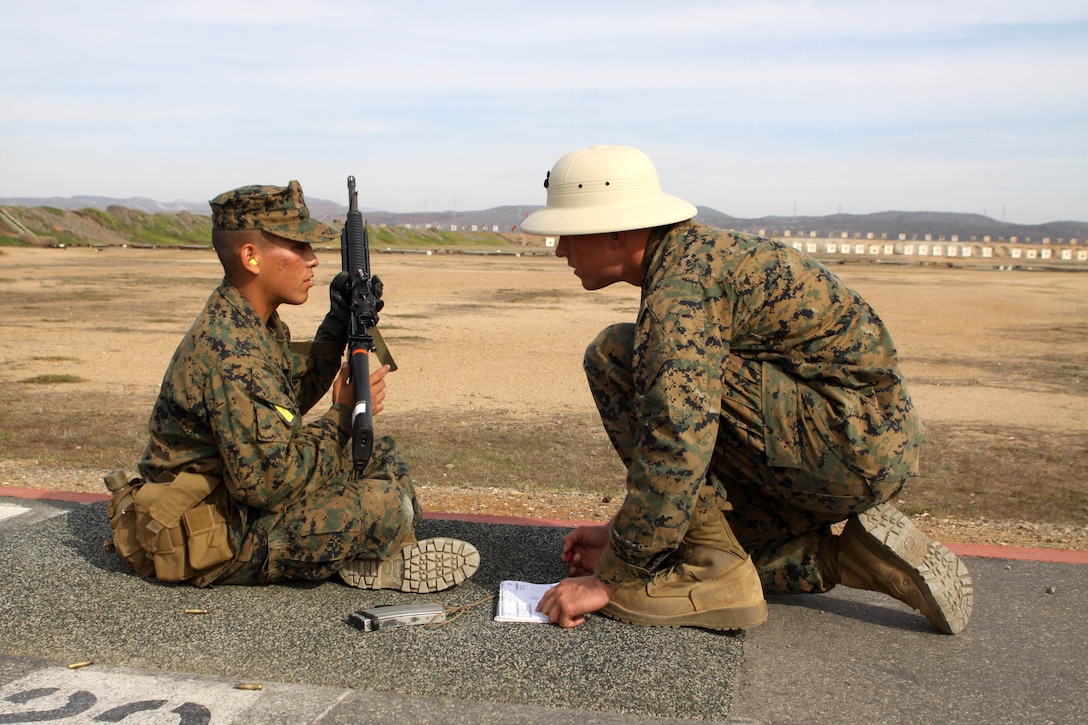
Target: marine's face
[(287, 270), (596, 259)]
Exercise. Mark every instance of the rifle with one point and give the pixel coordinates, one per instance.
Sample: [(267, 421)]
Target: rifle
[(355, 259)]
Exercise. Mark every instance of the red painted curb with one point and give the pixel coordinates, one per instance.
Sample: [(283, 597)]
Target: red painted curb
[(43, 495), (506, 520), (983, 551)]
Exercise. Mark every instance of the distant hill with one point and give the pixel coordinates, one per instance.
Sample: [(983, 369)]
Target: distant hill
[(506, 218), (137, 203), (116, 225)]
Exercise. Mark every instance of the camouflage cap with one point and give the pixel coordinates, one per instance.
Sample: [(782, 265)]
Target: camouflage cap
[(277, 210)]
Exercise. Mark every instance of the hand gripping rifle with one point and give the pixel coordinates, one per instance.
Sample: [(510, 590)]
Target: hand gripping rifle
[(355, 257)]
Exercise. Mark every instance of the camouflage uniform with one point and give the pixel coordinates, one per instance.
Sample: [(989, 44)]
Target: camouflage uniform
[(231, 405), (754, 369)]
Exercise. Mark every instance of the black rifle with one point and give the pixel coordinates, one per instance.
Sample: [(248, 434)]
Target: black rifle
[(355, 257)]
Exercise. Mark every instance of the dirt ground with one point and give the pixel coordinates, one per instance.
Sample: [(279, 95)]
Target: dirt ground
[(477, 336)]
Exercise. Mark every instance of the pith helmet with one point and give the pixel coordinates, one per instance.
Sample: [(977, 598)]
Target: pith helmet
[(605, 189), (279, 210)]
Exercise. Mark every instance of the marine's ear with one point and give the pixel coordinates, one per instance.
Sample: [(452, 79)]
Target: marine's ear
[(249, 258)]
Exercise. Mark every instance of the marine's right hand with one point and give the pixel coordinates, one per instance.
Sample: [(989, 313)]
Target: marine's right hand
[(343, 388), (582, 548), (343, 391)]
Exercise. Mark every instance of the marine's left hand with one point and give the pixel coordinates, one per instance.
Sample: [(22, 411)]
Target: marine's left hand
[(567, 603)]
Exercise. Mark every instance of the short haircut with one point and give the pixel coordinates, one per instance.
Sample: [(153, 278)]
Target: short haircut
[(227, 244)]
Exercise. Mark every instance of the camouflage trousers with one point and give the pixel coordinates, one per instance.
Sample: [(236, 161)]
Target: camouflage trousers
[(367, 515), (779, 515)]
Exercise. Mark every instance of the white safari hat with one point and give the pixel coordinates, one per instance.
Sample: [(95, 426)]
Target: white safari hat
[(605, 189)]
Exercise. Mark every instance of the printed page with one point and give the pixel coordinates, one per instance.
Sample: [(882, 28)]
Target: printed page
[(518, 600)]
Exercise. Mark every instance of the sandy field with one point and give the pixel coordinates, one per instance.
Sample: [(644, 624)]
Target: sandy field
[(503, 335)]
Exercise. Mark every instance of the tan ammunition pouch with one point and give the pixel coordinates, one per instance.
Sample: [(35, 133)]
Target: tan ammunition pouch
[(172, 531)]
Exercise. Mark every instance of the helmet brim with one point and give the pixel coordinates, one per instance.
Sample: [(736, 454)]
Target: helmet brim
[(570, 221), (310, 231)]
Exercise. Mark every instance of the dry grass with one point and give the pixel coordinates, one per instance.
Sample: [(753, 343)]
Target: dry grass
[(997, 474), (994, 474), (1006, 474), (68, 429), (569, 453)]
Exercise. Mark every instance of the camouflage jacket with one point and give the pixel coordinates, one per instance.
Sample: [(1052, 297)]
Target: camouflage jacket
[(231, 405), (708, 294)]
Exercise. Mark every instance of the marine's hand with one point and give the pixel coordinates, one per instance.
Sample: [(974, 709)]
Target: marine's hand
[(377, 288), (567, 603), (582, 549), (342, 389), (371, 303), (338, 322), (340, 296), (377, 389)]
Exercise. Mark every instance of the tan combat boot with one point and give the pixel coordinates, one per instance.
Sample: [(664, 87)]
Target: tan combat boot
[(715, 587), (881, 550), (430, 565)]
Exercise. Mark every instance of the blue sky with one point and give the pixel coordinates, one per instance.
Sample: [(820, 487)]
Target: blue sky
[(751, 108)]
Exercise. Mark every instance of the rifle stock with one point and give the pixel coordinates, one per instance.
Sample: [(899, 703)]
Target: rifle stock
[(355, 258)]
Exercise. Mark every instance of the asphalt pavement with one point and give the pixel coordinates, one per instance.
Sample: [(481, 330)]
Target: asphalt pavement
[(287, 654)]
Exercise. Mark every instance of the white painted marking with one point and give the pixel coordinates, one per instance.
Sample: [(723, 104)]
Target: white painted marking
[(7, 511), (86, 694)]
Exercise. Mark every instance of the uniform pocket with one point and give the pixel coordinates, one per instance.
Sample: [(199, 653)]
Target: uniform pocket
[(207, 537), (781, 418), (165, 547), (804, 429)]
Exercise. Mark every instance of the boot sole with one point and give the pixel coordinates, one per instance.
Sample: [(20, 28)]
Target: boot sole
[(420, 567), (939, 575), (746, 617)]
